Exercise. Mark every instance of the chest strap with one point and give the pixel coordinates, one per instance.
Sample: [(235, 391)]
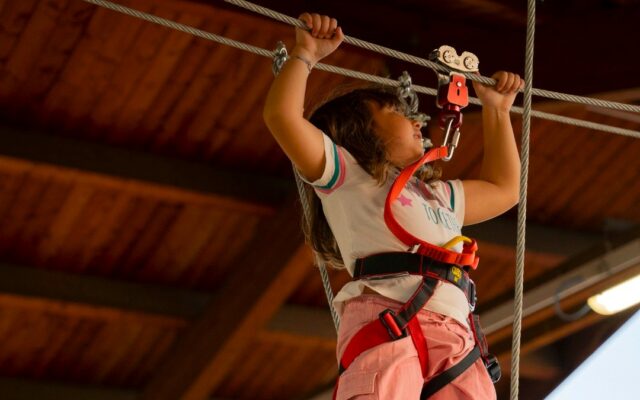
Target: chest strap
[(466, 258)]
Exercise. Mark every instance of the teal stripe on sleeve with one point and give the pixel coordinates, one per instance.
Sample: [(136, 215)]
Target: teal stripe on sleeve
[(336, 170), (453, 196)]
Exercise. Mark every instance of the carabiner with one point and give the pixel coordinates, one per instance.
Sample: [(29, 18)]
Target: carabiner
[(455, 137)]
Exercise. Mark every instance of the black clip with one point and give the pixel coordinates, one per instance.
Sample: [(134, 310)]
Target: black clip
[(389, 320), (493, 368), (472, 297)]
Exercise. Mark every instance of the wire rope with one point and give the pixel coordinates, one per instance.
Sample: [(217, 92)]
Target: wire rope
[(430, 64), (522, 203), (343, 71)]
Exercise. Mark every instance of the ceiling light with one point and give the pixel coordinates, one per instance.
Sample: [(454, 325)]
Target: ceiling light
[(618, 298)]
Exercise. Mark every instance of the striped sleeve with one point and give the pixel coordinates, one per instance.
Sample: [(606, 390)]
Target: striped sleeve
[(334, 168)]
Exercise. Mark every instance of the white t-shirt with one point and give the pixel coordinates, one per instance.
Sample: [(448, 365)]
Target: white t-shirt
[(353, 202)]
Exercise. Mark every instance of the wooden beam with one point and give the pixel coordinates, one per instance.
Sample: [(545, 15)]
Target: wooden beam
[(544, 364), (26, 389), (542, 327), (273, 266), (579, 273), (304, 321), (23, 389), (102, 298), (297, 340), (86, 311), (158, 176), (108, 299), (40, 286), (151, 171), (540, 238)]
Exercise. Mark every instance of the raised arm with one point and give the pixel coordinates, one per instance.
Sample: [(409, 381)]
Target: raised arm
[(284, 108), (496, 189)]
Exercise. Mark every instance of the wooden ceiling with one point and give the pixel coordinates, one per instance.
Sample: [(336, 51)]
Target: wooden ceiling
[(149, 238)]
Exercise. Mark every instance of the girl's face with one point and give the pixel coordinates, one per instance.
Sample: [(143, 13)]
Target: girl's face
[(401, 136)]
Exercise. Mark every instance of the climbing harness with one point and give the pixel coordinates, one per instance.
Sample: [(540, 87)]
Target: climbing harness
[(434, 264), (453, 94)]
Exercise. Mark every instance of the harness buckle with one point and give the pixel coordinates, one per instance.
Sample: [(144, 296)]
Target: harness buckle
[(389, 320), (493, 367)]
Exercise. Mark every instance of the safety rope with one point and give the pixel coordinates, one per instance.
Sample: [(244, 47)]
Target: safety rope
[(318, 260), (343, 71), (522, 203), (570, 121), (430, 64)]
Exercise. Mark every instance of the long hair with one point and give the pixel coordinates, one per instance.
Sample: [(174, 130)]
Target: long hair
[(348, 120)]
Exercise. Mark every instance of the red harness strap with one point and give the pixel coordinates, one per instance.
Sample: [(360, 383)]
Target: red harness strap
[(376, 333), (390, 326), (466, 258)]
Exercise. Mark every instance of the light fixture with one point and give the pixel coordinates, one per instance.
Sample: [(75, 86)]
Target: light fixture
[(617, 298)]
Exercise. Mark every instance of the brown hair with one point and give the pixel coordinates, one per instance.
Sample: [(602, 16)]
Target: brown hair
[(347, 119)]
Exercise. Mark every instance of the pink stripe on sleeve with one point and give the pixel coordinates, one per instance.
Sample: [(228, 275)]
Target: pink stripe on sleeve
[(342, 174)]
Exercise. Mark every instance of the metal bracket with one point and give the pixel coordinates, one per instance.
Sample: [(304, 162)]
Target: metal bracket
[(448, 57), (410, 98), (452, 91), (280, 56)]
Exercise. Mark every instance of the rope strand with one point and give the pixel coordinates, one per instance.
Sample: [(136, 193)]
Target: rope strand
[(522, 204), (319, 262)]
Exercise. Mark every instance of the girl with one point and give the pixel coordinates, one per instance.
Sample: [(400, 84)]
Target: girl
[(349, 153)]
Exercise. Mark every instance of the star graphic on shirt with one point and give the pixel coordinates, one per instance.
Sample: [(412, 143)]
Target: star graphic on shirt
[(405, 201)]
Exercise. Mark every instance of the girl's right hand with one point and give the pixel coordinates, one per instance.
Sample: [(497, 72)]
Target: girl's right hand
[(324, 37)]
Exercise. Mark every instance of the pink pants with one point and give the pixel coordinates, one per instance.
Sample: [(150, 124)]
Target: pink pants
[(392, 371)]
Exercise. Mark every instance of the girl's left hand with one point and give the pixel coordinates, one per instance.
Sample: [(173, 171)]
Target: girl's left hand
[(502, 95)]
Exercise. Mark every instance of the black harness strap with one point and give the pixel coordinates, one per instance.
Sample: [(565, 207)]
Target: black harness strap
[(445, 377), (384, 265)]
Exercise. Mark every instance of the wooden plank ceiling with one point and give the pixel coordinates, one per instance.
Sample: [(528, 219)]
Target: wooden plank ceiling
[(149, 240)]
